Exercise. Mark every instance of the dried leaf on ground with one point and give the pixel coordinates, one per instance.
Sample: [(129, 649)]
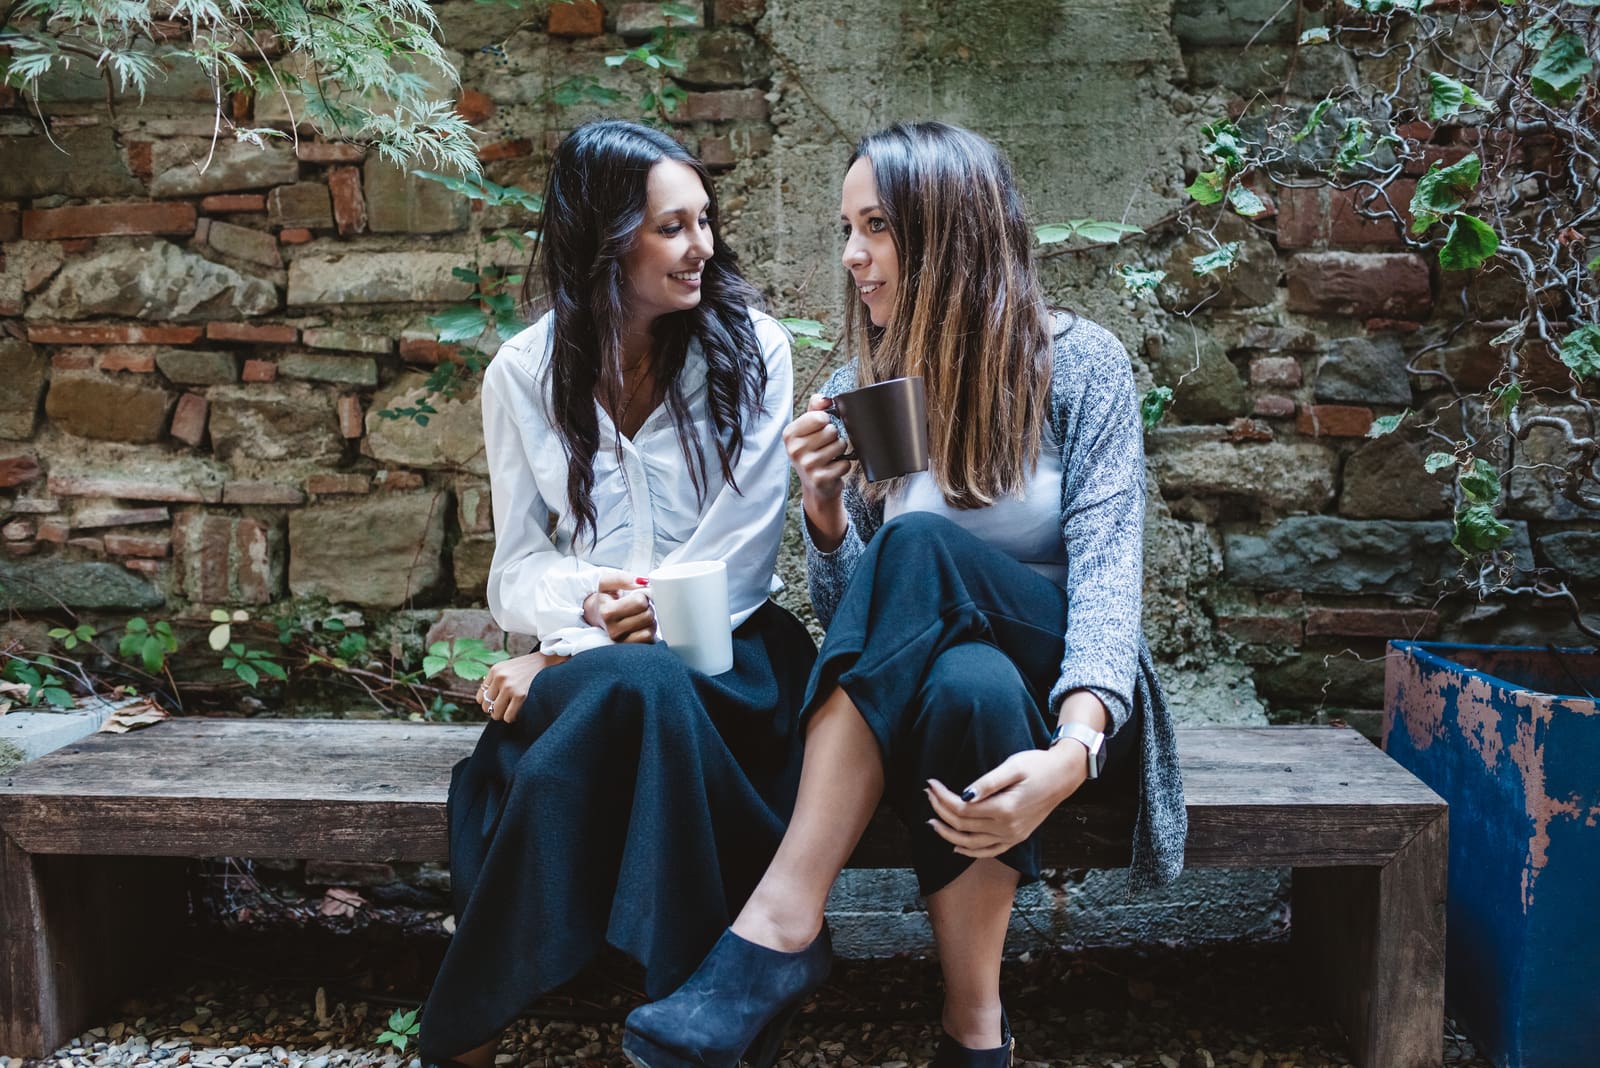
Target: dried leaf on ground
[(340, 902), (130, 717)]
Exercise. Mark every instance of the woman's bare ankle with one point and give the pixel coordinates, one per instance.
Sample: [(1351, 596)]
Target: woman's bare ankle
[(788, 930), (974, 1026)]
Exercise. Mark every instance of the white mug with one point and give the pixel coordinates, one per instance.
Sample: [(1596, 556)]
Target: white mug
[(692, 617)]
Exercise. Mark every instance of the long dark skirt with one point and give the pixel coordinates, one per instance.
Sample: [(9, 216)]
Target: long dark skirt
[(633, 802), (949, 649)]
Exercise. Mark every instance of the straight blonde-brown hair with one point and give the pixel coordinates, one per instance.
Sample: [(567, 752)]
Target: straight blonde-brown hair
[(968, 315)]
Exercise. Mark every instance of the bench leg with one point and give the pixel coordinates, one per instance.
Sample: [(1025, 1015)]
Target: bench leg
[(1372, 942), (70, 930)]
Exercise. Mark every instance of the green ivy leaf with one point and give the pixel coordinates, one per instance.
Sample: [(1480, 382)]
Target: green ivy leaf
[(1560, 70), (1226, 146), (1218, 260), (56, 697), (1207, 187), (432, 665), (1580, 350), (1540, 34), (1438, 461), (1245, 201), (1477, 530), (1480, 482), (1139, 283), (460, 322), (1052, 233), (1313, 121), (1386, 424), (1443, 190), (1154, 405), (1469, 244), (1448, 98), (247, 674), (1315, 35), (1505, 400), (1104, 233), (684, 13), (1594, 264)]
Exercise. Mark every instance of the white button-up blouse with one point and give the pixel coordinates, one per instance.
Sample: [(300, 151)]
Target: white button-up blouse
[(646, 512)]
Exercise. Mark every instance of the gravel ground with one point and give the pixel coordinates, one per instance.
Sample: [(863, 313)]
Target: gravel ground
[(255, 1002)]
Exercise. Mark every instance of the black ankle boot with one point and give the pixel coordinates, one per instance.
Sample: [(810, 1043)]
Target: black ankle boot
[(737, 1004), (952, 1054)]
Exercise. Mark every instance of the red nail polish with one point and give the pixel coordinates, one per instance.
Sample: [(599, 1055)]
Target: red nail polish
[(642, 581)]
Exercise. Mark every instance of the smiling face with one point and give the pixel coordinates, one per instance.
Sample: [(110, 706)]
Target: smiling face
[(662, 270), (869, 250)]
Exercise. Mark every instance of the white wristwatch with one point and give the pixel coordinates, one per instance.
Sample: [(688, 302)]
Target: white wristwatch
[(1094, 741)]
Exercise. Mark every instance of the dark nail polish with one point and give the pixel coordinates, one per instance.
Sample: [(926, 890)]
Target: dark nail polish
[(967, 795)]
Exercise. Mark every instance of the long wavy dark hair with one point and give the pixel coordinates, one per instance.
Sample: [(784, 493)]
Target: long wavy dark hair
[(594, 205)]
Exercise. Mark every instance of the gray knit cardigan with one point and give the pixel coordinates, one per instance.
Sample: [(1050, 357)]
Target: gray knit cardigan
[(1094, 413)]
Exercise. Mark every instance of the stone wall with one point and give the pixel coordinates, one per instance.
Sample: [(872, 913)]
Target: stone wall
[(198, 342)]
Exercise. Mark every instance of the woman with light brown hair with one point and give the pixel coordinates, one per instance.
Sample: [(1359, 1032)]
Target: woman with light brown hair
[(984, 660)]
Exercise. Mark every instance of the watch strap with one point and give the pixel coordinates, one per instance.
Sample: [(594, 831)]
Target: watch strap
[(1092, 740)]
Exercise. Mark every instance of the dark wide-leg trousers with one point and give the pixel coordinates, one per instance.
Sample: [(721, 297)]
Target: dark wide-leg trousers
[(949, 648), (632, 802)]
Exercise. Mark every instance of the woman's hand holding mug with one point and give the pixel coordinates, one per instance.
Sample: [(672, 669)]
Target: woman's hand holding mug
[(816, 450), (622, 607)]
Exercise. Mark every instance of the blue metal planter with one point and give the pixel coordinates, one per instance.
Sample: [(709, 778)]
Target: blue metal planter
[(1510, 737)]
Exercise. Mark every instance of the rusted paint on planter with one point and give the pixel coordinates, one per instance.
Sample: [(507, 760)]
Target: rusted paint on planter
[(1510, 737)]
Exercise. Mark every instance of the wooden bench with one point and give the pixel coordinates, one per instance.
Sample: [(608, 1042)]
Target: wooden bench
[(85, 879)]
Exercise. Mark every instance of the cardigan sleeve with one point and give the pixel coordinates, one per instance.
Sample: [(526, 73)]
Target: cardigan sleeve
[(828, 573), (1096, 412)]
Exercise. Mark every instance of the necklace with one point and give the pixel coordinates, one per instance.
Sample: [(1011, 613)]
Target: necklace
[(633, 395)]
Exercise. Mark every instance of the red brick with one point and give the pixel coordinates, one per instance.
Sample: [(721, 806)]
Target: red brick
[(350, 417), (349, 206), (223, 560), (17, 468), (10, 224), (1393, 285), (724, 150), (144, 567), (153, 546), (242, 105), (112, 334), (1416, 130), (1415, 623), (55, 531), (330, 152), (73, 360), (139, 161), (295, 235), (233, 203), (88, 544), (101, 220), (738, 12), (723, 105), (1398, 326), (253, 561), (102, 514), (1347, 226), (130, 489), (270, 334), (1334, 421), (1275, 371), (1242, 430), (136, 360), (1422, 157), (1273, 406), (474, 106), (259, 371), (248, 492), (426, 351), (189, 419), (516, 148), (576, 18), (332, 484), (389, 479), (1262, 630)]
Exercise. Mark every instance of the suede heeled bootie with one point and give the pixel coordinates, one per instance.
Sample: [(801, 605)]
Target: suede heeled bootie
[(952, 1054), (737, 1004)]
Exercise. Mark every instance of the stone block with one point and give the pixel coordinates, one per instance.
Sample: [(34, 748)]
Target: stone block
[(189, 419), (1221, 23), (246, 491), (198, 367), (738, 12), (146, 477), (1534, 484), (112, 334), (22, 369), (722, 106), (1364, 284), (1333, 421), (1281, 371), (343, 340), (107, 407), (304, 205), (456, 623), (279, 422), (151, 546), (399, 202), (180, 169), (743, 141), (1251, 281), (343, 370), (98, 514), (469, 563), (19, 530), (104, 220), (1416, 624), (1323, 554), (18, 468), (83, 161), (641, 19), (241, 242), (381, 551), (349, 206), (1319, 677), (376, 278), (726, 56), (1287, 477), (252, 333), (334, 152), (1359, 370), (1575, 553), (474, 509), (1384, 479), (234, 204), (50, 584), (220, 559), (152, 280), (338, 485), (452, 440), (1206, 386), (576, 18)]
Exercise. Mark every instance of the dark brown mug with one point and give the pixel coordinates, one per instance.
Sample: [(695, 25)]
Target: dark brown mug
[(886, 427)]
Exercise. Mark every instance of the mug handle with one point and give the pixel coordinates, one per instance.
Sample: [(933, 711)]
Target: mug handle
[(838, 422)]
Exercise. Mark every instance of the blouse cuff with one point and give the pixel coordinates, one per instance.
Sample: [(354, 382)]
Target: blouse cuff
[(569, 641)]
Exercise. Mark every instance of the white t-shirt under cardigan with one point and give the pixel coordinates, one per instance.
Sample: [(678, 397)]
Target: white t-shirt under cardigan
[(645, 505)]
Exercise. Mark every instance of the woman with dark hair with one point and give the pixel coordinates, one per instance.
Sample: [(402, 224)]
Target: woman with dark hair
[(617, 796), (984, 659)]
